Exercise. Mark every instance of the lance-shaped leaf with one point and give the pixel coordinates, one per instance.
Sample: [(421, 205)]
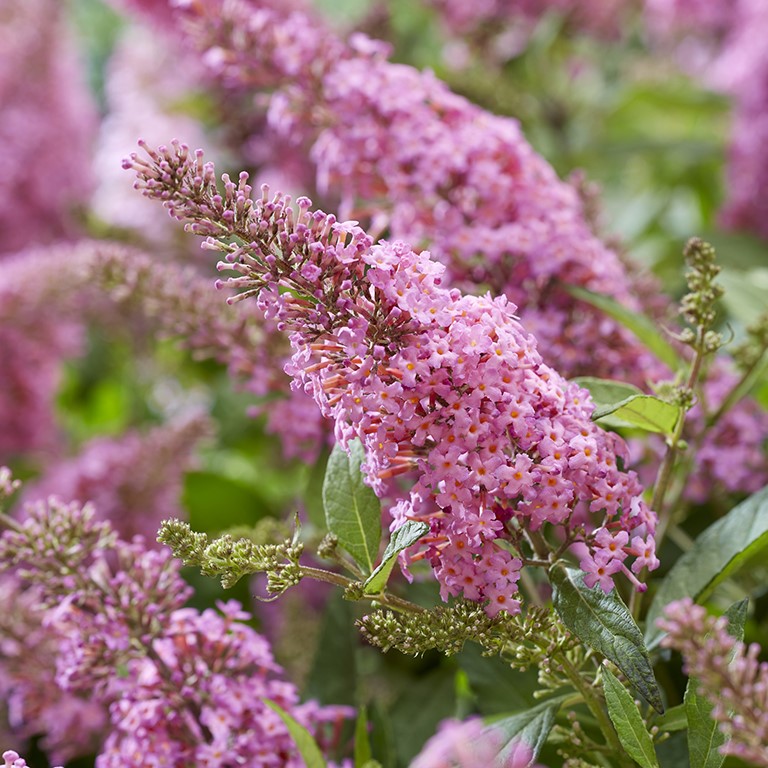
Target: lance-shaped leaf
[(719, 551), (363, 754), (629, 725), (640, 412), (531, 726), (643, 327), (604, 623), (352, 511), (307, 746), (704, 735), (406, 535)]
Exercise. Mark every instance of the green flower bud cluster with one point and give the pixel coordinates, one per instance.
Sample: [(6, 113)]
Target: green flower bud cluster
[(445, 628), (232, 558), (328, 547), (698, 305), (683, 396), (354, 591), (522, 640)]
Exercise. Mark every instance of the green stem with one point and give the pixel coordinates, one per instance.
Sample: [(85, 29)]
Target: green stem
[(329, 577), (9, 522), (741, 388), (681, 538), (398, 603), (592, 700), (390, 601), (664, 475), (668, 463)]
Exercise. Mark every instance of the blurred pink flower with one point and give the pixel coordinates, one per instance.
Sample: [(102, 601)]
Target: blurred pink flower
[(48, 126), (134, 480), (470, 744)]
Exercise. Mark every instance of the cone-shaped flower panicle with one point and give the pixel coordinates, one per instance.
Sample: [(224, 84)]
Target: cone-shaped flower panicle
[(445, 385)]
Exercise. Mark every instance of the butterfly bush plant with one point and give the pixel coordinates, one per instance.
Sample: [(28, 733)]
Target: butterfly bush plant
[(444, 478)]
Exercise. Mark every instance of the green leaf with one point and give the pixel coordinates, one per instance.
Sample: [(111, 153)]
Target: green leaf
[(640, 325), (737, 618), (719, 551), (618, 404), (640, 411), (313, 493), (673, 753), (382, 737), (607, 392), (604, 623), (704, 736), (363, 752), (531, 726), (629, 725), (406, 535), (352, 511), (307, 746)]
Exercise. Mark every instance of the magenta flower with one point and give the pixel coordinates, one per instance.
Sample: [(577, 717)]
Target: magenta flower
[(48, 126), (180, 686), (406, 154), (67, 724), (445, 387), (599, 569)]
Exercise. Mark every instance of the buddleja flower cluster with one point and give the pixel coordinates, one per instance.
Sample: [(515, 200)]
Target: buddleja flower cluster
[(46, 110), (403, 151), (729, 674), (445, 387), (66, 723), (181, 687), (409, 156)]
